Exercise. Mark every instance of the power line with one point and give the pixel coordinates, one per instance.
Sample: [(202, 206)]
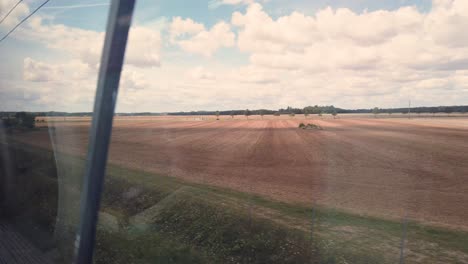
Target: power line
[(24, 19), (11, 10)]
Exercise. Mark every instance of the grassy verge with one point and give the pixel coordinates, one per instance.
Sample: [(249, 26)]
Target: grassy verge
[(339, 236), (156, 218)]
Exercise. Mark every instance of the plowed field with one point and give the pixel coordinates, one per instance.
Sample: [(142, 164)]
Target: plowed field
[(380, 167)]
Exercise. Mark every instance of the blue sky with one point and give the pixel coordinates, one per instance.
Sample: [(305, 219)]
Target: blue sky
[(225, 54), (92, 14)]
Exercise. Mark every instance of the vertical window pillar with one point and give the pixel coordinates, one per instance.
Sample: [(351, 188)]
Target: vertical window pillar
[(118, 24)]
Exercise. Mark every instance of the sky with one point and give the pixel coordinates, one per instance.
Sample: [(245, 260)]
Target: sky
[(237, 54)]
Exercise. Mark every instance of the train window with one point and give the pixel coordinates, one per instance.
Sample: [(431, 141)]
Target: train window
[(245, 131), (49, 60)]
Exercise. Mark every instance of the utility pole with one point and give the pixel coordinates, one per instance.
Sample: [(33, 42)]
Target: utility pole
[(409, 109), (403, 239)]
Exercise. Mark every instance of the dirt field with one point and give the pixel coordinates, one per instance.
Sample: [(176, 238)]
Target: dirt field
[(385, 167)]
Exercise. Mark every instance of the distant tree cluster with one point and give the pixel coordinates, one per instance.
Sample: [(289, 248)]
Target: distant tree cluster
[(308, 110), (282, 111), (227, 112), (318, 110), (19, 119), (422, 109)]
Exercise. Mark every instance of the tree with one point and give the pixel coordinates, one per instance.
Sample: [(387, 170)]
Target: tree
[(9, 122), (217, 115), (316, 109), (334, 113), (25, 119), (247, 113), (448, 110), (375, 111)]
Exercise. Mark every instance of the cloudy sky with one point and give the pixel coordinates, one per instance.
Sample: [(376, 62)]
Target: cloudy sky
[(236, 54)]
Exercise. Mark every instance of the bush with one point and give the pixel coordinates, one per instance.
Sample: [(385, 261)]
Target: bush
[(310, 126), (26, 120), (121, 247), (9, 122), (233, 236)]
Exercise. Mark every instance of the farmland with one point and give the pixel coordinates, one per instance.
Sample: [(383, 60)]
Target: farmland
[(382, 167), (346, 190)]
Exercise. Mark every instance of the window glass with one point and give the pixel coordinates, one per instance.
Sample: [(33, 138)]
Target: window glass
[(288, 132), (245, 132), (48, 75)]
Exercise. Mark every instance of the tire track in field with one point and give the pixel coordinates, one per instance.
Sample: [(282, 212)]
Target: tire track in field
[(368, 167), (386, 176)]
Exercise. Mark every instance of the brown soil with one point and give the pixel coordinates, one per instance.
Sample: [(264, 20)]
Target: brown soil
[(381, 167)]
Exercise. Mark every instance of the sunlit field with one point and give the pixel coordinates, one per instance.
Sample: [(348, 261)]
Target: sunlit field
[(384, 166), (348, 185)]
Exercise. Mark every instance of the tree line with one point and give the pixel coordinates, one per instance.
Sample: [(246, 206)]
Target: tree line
[(330, 109), (316, 109)]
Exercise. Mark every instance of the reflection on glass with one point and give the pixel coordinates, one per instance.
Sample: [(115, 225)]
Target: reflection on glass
[(248, 132), (48, 73)]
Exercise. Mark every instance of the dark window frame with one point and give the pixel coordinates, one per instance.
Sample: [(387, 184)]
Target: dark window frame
[(112, 58)]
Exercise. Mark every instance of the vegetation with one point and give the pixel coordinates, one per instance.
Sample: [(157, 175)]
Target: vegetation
[(119, 248), (309, 126), (19, 120), (376, 111), (316, 109), (329, 110), (164, 219), (247, 113)]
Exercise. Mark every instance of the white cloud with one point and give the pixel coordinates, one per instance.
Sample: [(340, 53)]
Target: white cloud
[(200, 73), (144, 45), (200, 40), (59, 86), (133, 80), (143, 49), (180, 26), (335, 56), (67, 79), (255, 75), (349, 54), (85, 45), (446, 20), (37, 71), (15, 16)]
